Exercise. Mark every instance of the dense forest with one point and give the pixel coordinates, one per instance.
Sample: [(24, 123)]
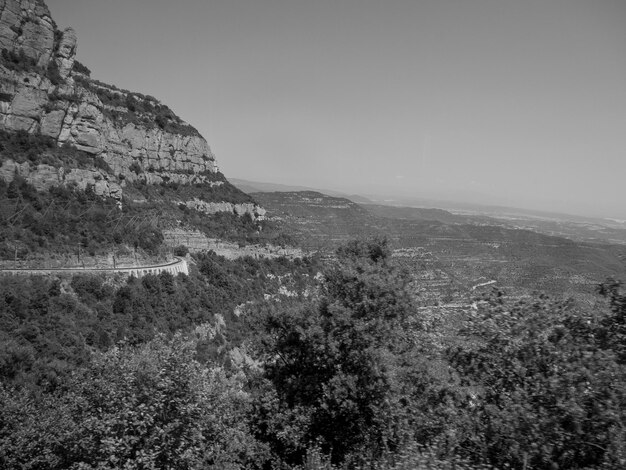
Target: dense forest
[(341, 370)]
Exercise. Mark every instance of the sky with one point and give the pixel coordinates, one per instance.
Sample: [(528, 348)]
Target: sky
[(507, 102)]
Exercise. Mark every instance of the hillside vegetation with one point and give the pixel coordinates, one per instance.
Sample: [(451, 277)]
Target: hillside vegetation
[(377, 344), (354, 376), (452, 253), (56, 225), (258, 363)]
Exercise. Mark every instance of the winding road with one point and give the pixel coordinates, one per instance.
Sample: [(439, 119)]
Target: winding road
[(179, 265)]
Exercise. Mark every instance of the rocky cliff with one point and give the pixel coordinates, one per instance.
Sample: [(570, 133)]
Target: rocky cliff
[(45, 91), (27, 25)]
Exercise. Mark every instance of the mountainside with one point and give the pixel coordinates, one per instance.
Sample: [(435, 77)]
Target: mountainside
[(130, 137), (250, 353), (61, 130)]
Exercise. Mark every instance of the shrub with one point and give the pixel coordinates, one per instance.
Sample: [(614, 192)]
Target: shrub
[(80, 68), (153, 406), (337, 365), (548, 394), (19, 61), (135, 168), (100, 163), (53, 73), (181, 250), (145, 111)]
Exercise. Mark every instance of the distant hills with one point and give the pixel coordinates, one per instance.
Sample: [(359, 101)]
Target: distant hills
[(574, 227), (89, 168), (452, 252), (248, 186)]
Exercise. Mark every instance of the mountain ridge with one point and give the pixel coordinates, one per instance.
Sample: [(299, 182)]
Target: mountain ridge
[(130, 137), (90, 170)]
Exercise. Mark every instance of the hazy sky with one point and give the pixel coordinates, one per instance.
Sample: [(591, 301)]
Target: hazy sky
[(514, 102)]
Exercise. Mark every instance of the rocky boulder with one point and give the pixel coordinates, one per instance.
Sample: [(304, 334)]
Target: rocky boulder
[(66, 51)]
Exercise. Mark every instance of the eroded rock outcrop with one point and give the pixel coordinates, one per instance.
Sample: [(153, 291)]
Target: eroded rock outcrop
[(42, 177), (27, 25), (66, 52), (75, 115), (43, 90), (196, 241), (253, 210)]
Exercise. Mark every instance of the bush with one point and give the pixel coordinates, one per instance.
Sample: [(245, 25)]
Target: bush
[(80, 68), (19, 61), (135, 168), (181, 250), (53, 73), (66, 218), (335, 365), (547, 393), (152, 406), (101, 164), (22, 146), (145, 111)]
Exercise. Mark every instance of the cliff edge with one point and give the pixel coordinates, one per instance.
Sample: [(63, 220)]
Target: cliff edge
[(121, 138)]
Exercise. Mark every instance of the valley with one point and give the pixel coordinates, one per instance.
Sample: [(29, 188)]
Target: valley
[(455, 252), (156, 314)]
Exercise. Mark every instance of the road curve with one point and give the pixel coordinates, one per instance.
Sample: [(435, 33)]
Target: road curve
[(179, 265)]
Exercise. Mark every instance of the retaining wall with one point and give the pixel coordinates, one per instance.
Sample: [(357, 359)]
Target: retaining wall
[(175, 267)]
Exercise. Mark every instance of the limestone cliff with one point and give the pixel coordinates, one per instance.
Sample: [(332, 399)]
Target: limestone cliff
[(251, 209), (197, 241), (44, 91), (44, 176), (27, 25)]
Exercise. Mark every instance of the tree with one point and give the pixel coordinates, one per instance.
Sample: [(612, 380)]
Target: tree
[(335, 365), (148, 407), (547, 394), (612, 331)]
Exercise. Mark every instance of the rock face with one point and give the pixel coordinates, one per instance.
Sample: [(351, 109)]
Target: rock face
[(27, 25), (42, 91), (45, 98), (196, 241), (43, 177), (66, 51), (256, 212)]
